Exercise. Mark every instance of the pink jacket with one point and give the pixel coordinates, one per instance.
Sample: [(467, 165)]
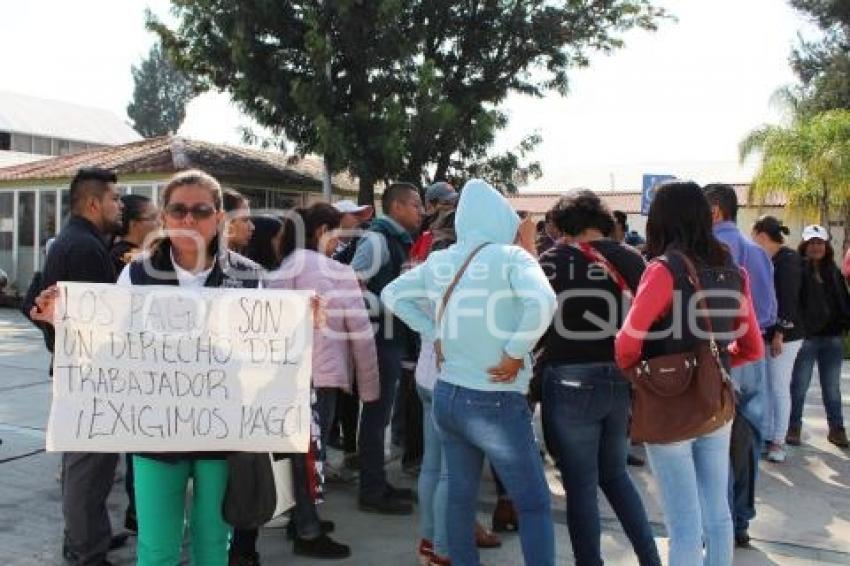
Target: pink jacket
[(346, 342)]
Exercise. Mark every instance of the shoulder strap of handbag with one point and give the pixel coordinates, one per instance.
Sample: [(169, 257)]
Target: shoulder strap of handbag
[(701, 303), (445, 300), (593, 256)]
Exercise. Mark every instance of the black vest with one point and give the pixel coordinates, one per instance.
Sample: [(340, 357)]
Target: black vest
[(392, 328), (675, 333), (230, 270)]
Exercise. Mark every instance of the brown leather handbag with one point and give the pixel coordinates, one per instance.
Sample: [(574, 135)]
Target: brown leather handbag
[(682, 396)]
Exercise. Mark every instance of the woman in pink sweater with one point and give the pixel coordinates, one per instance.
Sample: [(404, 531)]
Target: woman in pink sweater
[(344, 348)]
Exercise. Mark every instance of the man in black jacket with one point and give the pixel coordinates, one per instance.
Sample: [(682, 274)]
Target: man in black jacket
[(81, 253)]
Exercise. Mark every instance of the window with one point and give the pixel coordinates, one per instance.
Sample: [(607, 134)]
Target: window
[(26, 238), (144, 190), (22, 143), (283, 201), (46, 219), (41, 145), (65, 205), (63, 147), (7, 227), (5, 141), (77, 147), (256, 197)]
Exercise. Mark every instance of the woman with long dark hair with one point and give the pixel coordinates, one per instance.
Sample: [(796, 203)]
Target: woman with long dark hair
[(585, 400), (786, 336), (265, 243), (692, 474), (825, 309)]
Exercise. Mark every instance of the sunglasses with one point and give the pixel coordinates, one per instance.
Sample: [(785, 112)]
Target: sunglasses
[(178, 211)]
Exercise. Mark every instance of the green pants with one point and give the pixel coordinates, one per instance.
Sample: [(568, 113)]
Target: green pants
[(160, 507)]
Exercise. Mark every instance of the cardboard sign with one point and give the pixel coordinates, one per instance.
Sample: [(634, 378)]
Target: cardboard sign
[(170, 369)]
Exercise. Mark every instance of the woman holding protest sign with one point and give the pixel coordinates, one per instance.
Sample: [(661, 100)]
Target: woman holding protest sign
[(189, 255)]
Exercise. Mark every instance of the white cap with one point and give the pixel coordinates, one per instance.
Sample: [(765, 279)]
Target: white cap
[(350, 207), (815, 231)]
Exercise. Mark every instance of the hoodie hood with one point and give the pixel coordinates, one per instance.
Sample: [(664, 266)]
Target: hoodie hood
[(484, 215)]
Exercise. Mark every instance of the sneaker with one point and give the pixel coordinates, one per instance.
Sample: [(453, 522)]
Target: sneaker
[(425, 552), (838, 436), (792, 437), (385, 505), (322, 546), (776, 454)]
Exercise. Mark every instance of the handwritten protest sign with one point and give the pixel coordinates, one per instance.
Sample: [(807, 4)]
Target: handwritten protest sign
[(169, 369)]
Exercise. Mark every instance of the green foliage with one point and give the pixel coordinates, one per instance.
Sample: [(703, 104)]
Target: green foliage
[(160, 95), (392, 89), (808, 162), (506, 171), (824, 66)]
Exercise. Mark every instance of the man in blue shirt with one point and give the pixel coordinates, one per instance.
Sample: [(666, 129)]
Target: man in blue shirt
[(750, 379)]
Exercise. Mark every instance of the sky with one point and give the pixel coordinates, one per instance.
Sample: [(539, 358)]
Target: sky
[(676, 101)]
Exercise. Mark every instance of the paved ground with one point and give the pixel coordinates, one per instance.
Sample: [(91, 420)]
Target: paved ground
[(804, 505)]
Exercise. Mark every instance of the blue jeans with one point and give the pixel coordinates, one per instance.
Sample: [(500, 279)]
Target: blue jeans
[(751, 398), (375, 417), (475, 424), (586, 414), (433, 480), (828, 352), (692, 477)]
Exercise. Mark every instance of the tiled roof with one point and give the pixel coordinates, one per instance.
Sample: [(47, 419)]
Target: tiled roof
[(55, 119), (168, 154), (538, 203)]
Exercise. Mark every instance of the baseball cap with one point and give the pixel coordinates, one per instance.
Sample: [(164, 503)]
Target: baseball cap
[(815, 231), (442, 192), (350, 207)]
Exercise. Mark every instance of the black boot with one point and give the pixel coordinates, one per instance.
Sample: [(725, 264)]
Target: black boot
[(322, 546)]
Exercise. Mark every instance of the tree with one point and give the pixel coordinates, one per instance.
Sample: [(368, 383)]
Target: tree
[(824, 66), (390, 88), (808, 162), (506, 171), (160, 95)]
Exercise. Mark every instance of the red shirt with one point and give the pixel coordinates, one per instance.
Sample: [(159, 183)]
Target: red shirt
[(653, 300)]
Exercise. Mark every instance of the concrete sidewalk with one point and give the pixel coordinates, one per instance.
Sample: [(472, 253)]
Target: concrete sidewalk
[(803, 505)]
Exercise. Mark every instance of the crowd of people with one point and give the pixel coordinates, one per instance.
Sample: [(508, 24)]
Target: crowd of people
[(451, 318)]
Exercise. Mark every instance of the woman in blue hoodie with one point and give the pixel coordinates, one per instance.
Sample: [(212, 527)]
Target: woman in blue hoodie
[(498, 309)]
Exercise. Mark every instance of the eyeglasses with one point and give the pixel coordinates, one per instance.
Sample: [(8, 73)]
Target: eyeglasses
[(178, 211)]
